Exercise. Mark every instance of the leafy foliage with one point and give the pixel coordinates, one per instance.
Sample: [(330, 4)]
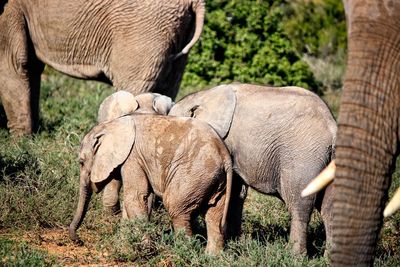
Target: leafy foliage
[(317, 28), (245, 41)]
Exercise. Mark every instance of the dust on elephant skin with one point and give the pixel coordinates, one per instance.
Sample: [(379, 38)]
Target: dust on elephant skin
[(181, 160)]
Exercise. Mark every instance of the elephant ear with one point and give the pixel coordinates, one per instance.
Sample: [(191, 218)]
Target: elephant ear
[(216, 107), (116, 105), (162, 104), (111, 147)]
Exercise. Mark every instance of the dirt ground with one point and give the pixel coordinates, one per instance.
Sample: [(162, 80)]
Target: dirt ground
[(57, 243)]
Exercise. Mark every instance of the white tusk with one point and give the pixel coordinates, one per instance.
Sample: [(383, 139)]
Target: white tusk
[(321, 181), (393, 205)]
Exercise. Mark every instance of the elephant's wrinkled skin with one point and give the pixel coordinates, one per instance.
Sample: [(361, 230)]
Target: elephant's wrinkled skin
[(179, 159), (279, 139), (138, 46), (368, 129)]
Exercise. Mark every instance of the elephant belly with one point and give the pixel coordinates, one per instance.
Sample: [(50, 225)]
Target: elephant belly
[(258, 177), (82, 71)]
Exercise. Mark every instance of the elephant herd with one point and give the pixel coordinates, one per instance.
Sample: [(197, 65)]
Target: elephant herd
[(201, 154)]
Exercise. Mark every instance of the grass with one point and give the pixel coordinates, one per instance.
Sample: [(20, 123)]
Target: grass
[(39, 188), (21, 254)]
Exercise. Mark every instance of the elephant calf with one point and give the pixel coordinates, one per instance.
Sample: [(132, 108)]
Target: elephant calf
[(120, 104), (181, 160), (279, 139)]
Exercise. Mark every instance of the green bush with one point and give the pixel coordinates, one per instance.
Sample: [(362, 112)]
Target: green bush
[(245, 41), (317, 28)]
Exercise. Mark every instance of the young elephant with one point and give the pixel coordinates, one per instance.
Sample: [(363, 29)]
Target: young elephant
[(279, 139), (181, 160), (117, 105)]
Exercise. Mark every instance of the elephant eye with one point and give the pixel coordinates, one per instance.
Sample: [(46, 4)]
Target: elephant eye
[(193, 111), (81, 161)]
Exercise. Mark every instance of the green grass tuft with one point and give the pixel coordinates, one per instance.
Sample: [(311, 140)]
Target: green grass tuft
[(21, 254)]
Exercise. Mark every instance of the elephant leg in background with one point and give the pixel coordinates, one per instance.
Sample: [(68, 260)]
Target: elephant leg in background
[(238, 196), (111, 204), (136, 190), (324, 205), (20, 72), (150, 203)]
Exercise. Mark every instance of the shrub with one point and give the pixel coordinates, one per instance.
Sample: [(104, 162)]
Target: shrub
[(245, 41), (317, 28)]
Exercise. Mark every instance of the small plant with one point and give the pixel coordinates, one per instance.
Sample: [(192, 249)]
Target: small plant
[(134, 241), (20, 254)]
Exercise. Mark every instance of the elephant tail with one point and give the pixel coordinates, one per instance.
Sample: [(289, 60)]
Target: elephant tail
[(228, 192), (85, 193), (199, 9)]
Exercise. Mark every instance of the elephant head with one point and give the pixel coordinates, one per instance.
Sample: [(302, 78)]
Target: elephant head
[(215, 106), (100, 154), (117, 105), (123, 102), (154, 103)]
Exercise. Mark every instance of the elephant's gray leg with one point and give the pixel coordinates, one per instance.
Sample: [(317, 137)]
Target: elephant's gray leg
[(326, 209), (150, 202), (16, 102), (293, 180), (111, 204), (182, 222), (35, 71), (238, 196), (19, 78), (298, 233), (300, 210), (136, 191), (215, 236)]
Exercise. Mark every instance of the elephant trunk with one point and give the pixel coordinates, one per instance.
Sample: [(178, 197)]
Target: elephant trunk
[(367, 140), (199, 9), (85, 192)]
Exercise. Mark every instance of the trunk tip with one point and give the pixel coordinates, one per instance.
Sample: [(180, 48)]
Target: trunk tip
[(74, 237)]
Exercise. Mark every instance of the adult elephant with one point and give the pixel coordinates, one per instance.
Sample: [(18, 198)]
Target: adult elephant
[(368, 129), (134, 45)]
